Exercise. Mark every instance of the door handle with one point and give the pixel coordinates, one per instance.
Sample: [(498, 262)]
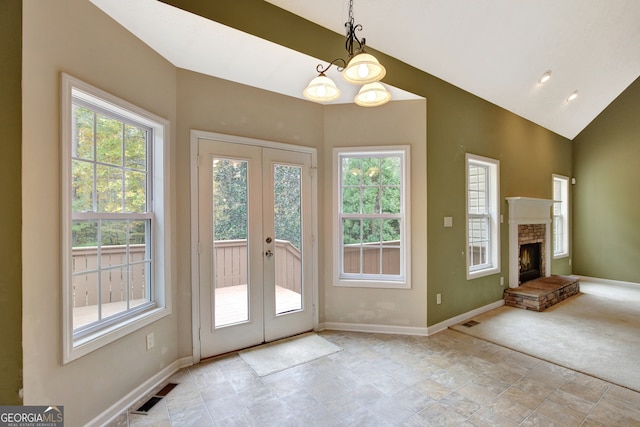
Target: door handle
[(269, 253)]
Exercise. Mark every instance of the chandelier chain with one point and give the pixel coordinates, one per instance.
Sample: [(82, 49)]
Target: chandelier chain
[(351, 19)]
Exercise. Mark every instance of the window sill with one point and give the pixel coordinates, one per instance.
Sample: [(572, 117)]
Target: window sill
[(482, 273), (377, 284), (561, 255), (75, 349)]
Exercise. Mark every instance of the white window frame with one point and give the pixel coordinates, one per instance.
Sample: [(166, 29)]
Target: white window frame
[(403, 280), (561, 215), (160, 234), (492, 266)]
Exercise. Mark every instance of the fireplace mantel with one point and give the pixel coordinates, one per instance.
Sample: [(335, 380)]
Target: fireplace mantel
[(527, 210)]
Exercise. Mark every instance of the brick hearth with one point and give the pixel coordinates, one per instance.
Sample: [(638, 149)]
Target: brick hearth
[(542, 293)]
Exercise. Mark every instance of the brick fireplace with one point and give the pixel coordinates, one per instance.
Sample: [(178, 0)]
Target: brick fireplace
[(531, 248), (529, 223)]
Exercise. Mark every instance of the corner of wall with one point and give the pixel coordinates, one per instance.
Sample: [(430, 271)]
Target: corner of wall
[(10, 194)]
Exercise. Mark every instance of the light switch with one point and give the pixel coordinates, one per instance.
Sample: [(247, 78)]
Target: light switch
[(448, 221)]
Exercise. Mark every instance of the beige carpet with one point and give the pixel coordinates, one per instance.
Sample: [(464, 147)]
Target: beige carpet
[(287, 353), (596, 332)]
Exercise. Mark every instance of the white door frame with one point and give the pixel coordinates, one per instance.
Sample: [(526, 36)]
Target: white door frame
[(195, 268)]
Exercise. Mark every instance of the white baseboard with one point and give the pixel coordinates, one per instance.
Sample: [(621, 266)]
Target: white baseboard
[(439, 327), (378, 329), (606, 281), (142, 390), (409, 330)]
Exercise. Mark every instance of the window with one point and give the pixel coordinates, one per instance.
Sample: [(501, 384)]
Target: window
[(371, 224), (483, 225), (115, 218), (560, 216)]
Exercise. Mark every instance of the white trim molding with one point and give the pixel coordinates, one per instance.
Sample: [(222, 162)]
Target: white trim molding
[(561, 200), (607, 281), (195, 136), (492, 190), (161, 238), (402, 280), (376, 329), (122, 405), (439, 327), (409, 330)]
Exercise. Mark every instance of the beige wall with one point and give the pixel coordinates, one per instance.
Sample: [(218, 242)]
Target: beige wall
[(396, 123), (75, 37), (215, 105)]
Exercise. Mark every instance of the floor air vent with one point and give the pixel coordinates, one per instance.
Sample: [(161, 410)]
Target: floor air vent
[(153, 400), (470, 323)]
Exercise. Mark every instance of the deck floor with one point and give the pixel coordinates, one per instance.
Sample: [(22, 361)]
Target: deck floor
[(232, 306), (89, 313)]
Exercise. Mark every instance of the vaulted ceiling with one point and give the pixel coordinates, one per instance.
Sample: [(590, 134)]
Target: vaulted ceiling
[(495, 49)]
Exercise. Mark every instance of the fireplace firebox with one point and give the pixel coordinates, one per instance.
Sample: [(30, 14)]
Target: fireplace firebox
[(530, 262)]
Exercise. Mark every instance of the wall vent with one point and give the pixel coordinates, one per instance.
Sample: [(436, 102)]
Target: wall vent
[(470, 323), (153, 400)]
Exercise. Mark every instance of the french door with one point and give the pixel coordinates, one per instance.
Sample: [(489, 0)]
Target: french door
[(255, 262)]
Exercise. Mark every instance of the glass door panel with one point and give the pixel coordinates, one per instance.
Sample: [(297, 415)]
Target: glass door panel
[(287, 218), (288, 243), (230, 254), (230, 225)]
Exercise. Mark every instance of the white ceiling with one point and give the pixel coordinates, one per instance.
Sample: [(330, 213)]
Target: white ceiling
[(495, 49)]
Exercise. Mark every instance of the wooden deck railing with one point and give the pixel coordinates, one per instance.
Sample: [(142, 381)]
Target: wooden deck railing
[(113, 282), (372, 259), (230, 267)]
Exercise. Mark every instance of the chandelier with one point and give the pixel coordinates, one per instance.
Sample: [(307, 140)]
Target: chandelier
[(360, 68)]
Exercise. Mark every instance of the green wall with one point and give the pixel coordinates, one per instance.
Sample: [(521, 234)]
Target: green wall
[(606, 203), (460, 123), (10, 194), (457, 122)]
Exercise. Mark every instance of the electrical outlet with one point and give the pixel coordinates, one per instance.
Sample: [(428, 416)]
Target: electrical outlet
[(438, 298), (150, 341), (501, 281)]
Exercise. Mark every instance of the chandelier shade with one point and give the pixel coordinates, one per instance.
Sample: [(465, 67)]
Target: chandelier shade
[(362, 69), (321, 89), (372, 95)]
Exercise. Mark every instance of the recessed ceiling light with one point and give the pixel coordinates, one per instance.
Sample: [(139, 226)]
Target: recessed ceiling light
[(573, 96), (545, 77)]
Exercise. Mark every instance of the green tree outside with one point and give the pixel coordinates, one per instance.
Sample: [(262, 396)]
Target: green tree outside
[(371, 186), (112, 155)]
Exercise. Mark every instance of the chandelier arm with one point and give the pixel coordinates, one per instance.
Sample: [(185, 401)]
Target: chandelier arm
[(351, 38), (335, 62)]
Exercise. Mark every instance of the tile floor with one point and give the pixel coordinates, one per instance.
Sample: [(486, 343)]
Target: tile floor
[(449, 379)]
